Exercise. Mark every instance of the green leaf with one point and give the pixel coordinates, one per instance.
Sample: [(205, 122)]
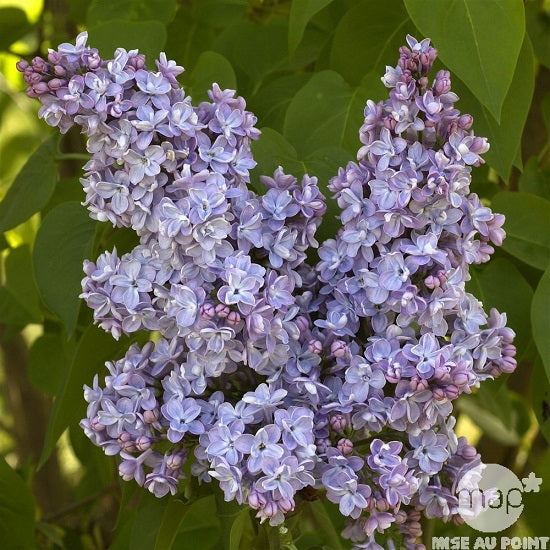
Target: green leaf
[(527, 227), (241, 523), (254, 50), (171, 521), (323, 523), (540, 397), (539, 319), (368, 37), (63, 241), (149, 517), (537, 19), (323, 114), (479, 41), (32, 187), (501, 285), (301, 12), (271, 101), (273, 150), (211, 67), (13, 26), (47, 363), (20, 303), (101, 11), (148, 37), (94, 348), (535, 180), (201, 526), (16, 510), (492, 410), (504, 137)]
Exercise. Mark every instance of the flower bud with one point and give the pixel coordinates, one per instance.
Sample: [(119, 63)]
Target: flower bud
[(338, 423), (345, 446), (222, 311), (315, 346), (338, 348)]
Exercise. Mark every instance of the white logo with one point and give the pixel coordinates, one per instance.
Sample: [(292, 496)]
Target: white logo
[(490, 497)]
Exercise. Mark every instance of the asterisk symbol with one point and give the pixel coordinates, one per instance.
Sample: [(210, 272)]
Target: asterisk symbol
[(531, 484)]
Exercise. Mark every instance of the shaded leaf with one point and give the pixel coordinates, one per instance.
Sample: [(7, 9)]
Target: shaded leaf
[(32, 187), (540, 397), (13, 26), (19, 300), (537, 20), (101, 11), (271, 101), (301, 12), (527, 227), (16, 510), (211, 67), (540, 319), (376, 30), (94, 348), (171, 520), (501, 285), (504, 137), (323, 114), (200, 527), (148, 37), (535, 180), (63, 240), (240, 525), (479, 41), (47, 363)]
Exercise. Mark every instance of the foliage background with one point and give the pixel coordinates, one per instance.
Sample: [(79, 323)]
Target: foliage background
[(306, 68)]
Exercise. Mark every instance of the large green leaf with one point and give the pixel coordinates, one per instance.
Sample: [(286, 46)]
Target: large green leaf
[(48, 359), (271, 101), (171, 520), (16, 510), (301, 12), (368, 37), (93, 350), (64, 239), (540, 319), (326, 112), (211, 67), (13, 25), (527, 227), (148, 37), (19, 300), (101, 11), (501, 285), (479, 41), (201, 526), (32, 187), (504, 137)]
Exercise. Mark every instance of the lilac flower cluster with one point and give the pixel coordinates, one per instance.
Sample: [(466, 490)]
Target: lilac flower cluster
[(270, 374)]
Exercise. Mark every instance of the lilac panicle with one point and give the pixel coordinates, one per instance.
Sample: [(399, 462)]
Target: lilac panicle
[(270, 374)]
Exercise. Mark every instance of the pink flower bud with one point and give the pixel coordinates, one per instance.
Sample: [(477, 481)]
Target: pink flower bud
[(234, 318), (315, 346), (222, 311), (338, 348), (345, 446), (338, 423)]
